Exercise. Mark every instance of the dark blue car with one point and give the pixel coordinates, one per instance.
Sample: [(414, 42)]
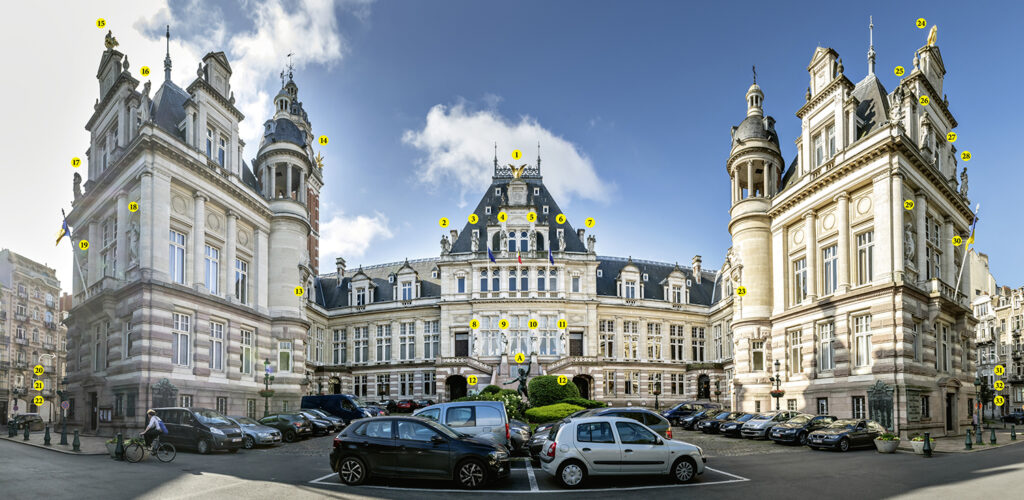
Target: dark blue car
[(344, 406)]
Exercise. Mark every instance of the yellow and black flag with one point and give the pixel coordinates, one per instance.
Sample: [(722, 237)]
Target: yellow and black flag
[(64, 231)]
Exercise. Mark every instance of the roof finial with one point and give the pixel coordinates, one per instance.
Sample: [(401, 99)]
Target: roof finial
[(538, 157), (871, 45), (754, 69), (495, 157), (290, 66), (167, 58)]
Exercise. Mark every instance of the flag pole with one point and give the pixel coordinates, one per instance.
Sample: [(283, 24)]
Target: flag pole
[(967, 253), (74, 255)]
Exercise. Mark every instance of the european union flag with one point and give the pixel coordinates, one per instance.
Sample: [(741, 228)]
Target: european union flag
[(490, 255)]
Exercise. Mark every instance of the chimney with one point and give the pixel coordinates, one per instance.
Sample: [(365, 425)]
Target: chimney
[(455, 234), (579, 233), (696, 268), (340, 262)]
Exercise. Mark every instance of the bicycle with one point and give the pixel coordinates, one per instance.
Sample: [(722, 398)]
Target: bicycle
[(136, 451)]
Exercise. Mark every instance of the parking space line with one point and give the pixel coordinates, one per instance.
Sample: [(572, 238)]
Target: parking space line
[(533, 479), (738, 478), (317, 480)]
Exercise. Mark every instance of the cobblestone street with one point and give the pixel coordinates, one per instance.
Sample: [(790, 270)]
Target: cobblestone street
[(716, 445)]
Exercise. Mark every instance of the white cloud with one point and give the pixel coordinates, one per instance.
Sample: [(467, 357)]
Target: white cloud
[(459, 147), (350, 236)]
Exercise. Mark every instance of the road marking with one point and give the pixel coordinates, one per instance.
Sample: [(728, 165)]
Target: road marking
[(738, 478), (533, 479), (317, 480)]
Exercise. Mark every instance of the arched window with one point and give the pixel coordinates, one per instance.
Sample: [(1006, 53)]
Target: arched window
[(524, 242), (540, 241), (512, 241)]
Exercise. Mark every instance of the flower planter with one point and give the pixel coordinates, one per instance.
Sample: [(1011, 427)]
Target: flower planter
[(887, 446), (112, 448), (919, 446)]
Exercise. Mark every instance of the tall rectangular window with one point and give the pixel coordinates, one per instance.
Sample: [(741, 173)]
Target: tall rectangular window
[(461, 284), (796, 358), (242, 281), (361, 296), (407, 341), (947, 361), (576, 284), (126, 341), (216, 346), (632, 383), (677, 342), (716, 340), (830, 261), (697, 343), (933, 248), (318, 346), (799, 280), (359, 385), (406, 290), (654, 341), (512, 280), (220, 151), (284, 357), (209, 143), (862, 339), (677, 294), (865, 257), (822, 406), (859, 407), (630, 340), (676, 384), (606, 329), (429, 383), (541, 280), (384, 385), (819, 150), (630, 289), (180, 339), (177, 257), (340, 356), (926, 407), (609, 383), (246, 356), (431, 339), (250, 408), (826, 346), (383, 343), (483, 280), (830, 133), (653, 383), (524, 278), (222, 405), (553, 280), (757, 355), (360, 345)]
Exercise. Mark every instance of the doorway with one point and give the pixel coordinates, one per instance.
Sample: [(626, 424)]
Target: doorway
[(335, 385), (462, 344), (576, 344), (456, 385), (704, 387), (582, 382), (950, 411), (94, 411)]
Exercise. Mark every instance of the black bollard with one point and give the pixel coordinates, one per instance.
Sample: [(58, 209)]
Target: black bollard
[(979, 439), (119, 449), (927, 444), (12, 430), (992, 437), (26, 432), (967, 441), (1013, 432), (64, 433), (46, 436), (76, 445)]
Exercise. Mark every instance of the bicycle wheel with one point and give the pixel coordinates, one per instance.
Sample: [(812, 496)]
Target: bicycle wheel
[(134, 452), (166, 452)]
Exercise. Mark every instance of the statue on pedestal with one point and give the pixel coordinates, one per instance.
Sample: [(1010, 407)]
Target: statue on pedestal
[(523, 374)]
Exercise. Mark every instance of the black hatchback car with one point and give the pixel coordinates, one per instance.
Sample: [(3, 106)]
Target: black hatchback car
[(734, 427), (843, 435), (796, 429), (292, 425), (711, 425), (680, 411), (689, 422), (415, 448)]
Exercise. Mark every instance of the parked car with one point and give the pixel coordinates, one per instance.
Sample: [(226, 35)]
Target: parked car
[(406, 406), (416, 448), (603, 445), (647, 417), (292, 426), (519, 433), (540, 434), (483, 419), (375, 411), (685, 409), (32, 420), (796, 429), (201, 429), (711, 425), (344, 406), (388, 404), (690, 422), (339, 423), (423, 403), (1015, 417), (733, 427), (321, 426), (845, 434), (256, 433), (759, 426)]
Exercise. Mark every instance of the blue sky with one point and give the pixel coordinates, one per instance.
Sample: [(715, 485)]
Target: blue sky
[(632, 102)]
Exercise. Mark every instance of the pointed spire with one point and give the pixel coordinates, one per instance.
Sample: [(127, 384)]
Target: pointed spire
[(754, 69), (538, 157), (167, 58), (495, 157), (871, 45)]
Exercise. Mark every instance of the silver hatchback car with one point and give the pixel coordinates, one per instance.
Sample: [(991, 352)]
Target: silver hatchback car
[(599, 446)]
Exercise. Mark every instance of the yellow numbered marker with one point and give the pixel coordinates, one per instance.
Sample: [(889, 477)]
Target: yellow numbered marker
[(999, 385), (322, 140), (144, 71), (965, 156), (502, 216), (299, 291), (520, 357), (590, 222), (957, 240), (533, 324), (471, 379), (38, 370), (133, 207), (921, 23), (101, 23), (560, 218), (909, 204), (923, 100), (741, 291), (473, 218), (37, 385), (76, 162), (563, 324), (38, 401), (503, 324), (532, 216), (951, 137), (562, 380), (999, 400), (474, 323), (443, 222), (999, 370), (899, 70), (83, 245), (517, 154)]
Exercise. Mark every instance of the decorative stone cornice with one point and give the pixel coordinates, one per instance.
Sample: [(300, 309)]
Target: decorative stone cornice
[(835, 84), (934, 99), (203, 84)]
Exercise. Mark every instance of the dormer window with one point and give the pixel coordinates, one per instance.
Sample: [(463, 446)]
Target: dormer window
[(645, 276), (689, 283), (433, 273), (677, 294), (361, 297), (824, 143), (497, 191), (536, 191), (629, 291), (544, 209), (391, 278), (406, 290), (600, 274), (487, 210)]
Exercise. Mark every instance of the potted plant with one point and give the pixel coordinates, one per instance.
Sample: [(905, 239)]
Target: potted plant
[(887, 442), (778, 393), (112, 447), (267, 393), (917, 442)]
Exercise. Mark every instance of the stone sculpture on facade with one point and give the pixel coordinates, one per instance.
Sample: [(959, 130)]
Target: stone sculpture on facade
[(474, 244), (446, 245), (504, 242), (78, 185), (591, 241), (561, 241), (133, 243), (909, 243), (533, 241), (963, 182)]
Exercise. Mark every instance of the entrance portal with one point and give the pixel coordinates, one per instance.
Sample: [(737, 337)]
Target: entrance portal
[(582, 382), (704, 387), (456, 387)]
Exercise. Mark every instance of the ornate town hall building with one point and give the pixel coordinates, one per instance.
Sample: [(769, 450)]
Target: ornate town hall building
[(847, 296)]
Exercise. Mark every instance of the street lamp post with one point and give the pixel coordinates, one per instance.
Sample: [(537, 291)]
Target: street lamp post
[(718, 390), (777, 392), (268, 379), (63, 395)]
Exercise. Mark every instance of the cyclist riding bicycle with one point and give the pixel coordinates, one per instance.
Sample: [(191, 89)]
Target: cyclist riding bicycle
[(155, 428)]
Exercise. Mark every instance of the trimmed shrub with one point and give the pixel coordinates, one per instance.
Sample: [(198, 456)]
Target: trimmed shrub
[(544, 390), (491, 389), (586, 403), (514, 405), (551, 413)]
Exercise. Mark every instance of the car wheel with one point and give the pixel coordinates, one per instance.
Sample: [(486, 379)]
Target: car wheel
[(802, 438), (571, 474), (203, 446), (249, 442), (352, 471), (844, 444), (471, 474), (684, 470), (289, 436)]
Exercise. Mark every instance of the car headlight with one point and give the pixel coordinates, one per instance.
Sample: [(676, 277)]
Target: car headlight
[(216, 431), (498, 455)]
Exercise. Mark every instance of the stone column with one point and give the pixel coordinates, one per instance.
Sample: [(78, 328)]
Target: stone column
[(948, 271), (288, 181), (750, 179), (617, 344), (765, 167), (810, 220), (735, 186), (897, 227), (198, 241), (259, 277), (301, 195), (229, 256), (94, 237), (843, 210), (122, 241), (273, 180), (920, 213)]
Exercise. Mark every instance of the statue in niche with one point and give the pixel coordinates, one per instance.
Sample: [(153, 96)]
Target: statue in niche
[(476, 346), (504, 242), (561, 341), (909, 242), (561, 241), (591, 241), (504, 342), (474, 244), (533, 241), (533, 344), (896, 104), (446, 245), (963, 182), (133, 243), (78, 185)]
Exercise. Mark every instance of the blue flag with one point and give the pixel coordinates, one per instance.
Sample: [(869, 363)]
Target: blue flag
[(551, 258), (490, 255)]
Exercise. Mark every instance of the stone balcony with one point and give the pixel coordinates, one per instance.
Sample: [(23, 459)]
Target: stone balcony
[(464, 361), (572, 360)]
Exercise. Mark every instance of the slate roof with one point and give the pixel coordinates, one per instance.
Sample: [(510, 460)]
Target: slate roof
[(789, 174), (283, 130), (168, 108), (249, 179), (656, 272), (873, 110), (756, 127), (330, 293), (573, 243)]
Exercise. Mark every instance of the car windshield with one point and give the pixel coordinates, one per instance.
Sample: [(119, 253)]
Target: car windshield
[(210, 417), (746, 417), (799, 419), (766, 416), (358, 402), (722, 416), (843, 424), (246, 421)]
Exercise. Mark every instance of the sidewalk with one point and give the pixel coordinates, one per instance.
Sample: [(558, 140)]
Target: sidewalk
[(955, 444), (90, 445)]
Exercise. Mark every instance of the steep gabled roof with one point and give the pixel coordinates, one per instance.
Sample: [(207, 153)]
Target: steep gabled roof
[(873, 109), (657, 272), (331, 293)]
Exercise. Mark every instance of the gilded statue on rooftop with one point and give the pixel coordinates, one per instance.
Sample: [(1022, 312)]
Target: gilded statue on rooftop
[(933, 34)]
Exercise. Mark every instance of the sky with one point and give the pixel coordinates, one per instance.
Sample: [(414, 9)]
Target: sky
[(631, 102)]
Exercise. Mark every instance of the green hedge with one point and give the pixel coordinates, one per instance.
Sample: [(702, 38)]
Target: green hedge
[(551, 413), (586, 403), (491, 389), (514, 405), (545, 390)]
